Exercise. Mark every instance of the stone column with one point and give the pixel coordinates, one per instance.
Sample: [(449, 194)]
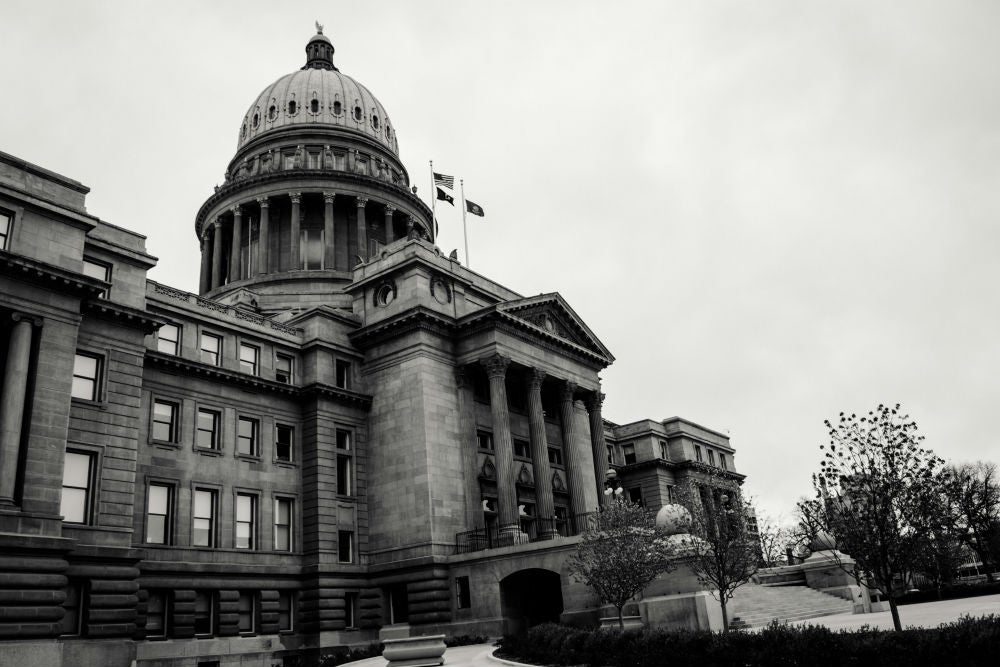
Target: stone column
[(470, 457), (234, 256), (328, 255), (597, 444), (15, 382), (389, 210), (581, 495), (362, 228), (216, 253), (205, 283), (296, 198), (540, 455), (509, 523), (264, 235)]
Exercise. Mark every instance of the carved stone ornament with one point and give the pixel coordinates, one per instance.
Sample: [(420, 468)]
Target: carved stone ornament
[(534, 379), (557, 482), (496, 365), (489, 470), (440, 291), (567, 391), (524, 476)]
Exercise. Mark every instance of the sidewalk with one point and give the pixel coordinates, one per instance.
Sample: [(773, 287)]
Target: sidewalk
[(924, 615)]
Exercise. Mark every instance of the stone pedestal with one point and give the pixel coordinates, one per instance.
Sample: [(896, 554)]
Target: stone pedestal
[(414, 651), (832, 572)]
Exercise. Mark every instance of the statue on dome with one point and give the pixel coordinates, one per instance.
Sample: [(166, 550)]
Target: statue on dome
[(319, 28)]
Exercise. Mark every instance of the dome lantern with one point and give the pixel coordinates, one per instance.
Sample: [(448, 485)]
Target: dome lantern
[(319, 51)]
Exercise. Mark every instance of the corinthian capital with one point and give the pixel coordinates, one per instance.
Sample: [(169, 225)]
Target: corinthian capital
[(496, 365), (534, 379), (594, 401)]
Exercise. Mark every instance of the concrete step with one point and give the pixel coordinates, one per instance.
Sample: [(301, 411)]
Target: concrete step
[(756, 605)]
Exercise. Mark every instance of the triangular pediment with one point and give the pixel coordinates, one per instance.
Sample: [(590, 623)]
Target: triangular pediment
[(552, 315)]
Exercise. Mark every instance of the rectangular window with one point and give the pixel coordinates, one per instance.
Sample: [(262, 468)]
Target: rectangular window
[(711, 458), (670, 494), (484, 440), (159, 503), (463, 593), (555, 456), (98, 270), (283, 369), (345, 546), (73, 608), (165, 421), (204, 614), (282, 524), (522, 448), (247, 613), (211, 349), (697, 453), (247, 437), (343, 374), (635, 495), (562, 520), (203, 528), (246, 521), (283, 437), (663, 450), (168, 339), (286, 602), (344, 475), (157, 614), (722, 462), (351, 610), (343, 439), (207, 435), (6, 223), (311, 249), (628, 451), (249, 356), (86, 377), (77, 501), (611, 454)]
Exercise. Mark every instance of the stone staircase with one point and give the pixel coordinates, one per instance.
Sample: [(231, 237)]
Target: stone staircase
[(755, 605)]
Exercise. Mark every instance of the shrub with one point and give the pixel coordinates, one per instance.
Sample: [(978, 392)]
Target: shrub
[(953, 592), (967, 643)]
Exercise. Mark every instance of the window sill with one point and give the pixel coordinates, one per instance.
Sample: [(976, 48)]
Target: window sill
[(165, 444), (286, 464), (250, 458), (87, 403)]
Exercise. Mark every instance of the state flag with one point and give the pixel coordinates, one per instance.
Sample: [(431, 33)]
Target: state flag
[(474, 208), (444, 196), (446, 181)]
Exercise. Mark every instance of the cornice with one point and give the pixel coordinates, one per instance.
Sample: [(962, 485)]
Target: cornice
[(127, 316), (47, 275), (416, 318), (415, 259), (340, 395)]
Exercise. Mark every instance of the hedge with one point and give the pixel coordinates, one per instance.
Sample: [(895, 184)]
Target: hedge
[(953, 592), (964, 643)]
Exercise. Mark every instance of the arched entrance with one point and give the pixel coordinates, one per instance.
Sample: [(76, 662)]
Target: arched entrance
[(530, 597)]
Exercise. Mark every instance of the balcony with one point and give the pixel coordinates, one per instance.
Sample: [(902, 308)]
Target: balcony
[(531, 529)]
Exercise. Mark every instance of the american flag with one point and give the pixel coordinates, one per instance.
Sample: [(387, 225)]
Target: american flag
[(446, 181)]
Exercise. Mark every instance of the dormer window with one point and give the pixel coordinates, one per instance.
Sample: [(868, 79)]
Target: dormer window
[(338, 108), (314, 106), (272, 112), (357, 113), (375, 122), (292, 108), (256, 120)]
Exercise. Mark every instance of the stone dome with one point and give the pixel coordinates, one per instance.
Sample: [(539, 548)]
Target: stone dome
[(674, 519), (318, 96)]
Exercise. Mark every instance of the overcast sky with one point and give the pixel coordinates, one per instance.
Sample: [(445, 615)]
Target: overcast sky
[(769, 211)]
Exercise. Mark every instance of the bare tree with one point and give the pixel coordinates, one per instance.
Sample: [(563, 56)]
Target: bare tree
[(974, 491), (724, 554), (621, 554), (871, 486), (774, 540)]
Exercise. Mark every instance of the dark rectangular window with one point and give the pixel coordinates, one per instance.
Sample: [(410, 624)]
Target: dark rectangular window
[(78, 486), (6, 224), (663, 450), (86, 377), (283, 368), (343, 439), (311, 249), (343, 374), (246, 521), (211, 349), (555, 456), (246, 606), (351, 610), (286, 603), (611, 453), (484, 440), (159, 502), (711, 458), (168, 339), (157, 614), (345, 546), (165, 421), (635, 495), (73, 609), (628, 452), (283, 437), (697, 453), (247, 437), (204, 614), (282, 524), (207, 436), (344, 465), (249, 358), (463, 594), (99, 270), (722, 462), (562, 520), (522, 448), (203, 524)]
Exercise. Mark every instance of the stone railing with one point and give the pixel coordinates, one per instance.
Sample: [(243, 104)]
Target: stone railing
[(240, 314)]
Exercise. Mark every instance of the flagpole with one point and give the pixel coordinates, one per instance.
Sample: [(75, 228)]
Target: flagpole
[(465, 231), (433, 207)]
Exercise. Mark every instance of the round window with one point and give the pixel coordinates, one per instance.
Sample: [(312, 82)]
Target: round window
[(385, 295)]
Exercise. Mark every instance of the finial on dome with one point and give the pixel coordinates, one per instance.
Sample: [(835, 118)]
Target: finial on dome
[(319, 51)]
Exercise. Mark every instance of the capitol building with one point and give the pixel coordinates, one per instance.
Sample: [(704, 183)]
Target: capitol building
[(345, 435)]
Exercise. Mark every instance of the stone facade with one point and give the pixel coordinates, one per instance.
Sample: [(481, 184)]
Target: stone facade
[(344, 435)]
